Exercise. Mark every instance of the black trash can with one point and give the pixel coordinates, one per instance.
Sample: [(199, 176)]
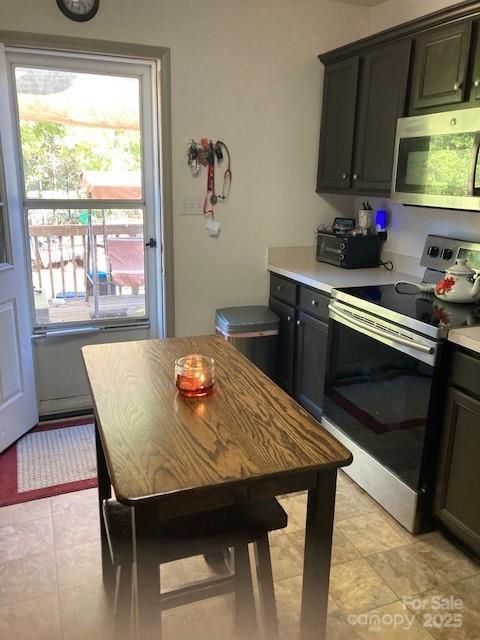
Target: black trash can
[(254, 332)]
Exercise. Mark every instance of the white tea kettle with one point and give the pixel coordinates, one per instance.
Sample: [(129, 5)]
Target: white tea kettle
[(460, 284)]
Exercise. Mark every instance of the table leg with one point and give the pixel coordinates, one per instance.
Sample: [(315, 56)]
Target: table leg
[(245, 615), (104, 492), (147, 576), (316, 563)]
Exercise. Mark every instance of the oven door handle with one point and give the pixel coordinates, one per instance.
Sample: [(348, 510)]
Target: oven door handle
[(366, 328)]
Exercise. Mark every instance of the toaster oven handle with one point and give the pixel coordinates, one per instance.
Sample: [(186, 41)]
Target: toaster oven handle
[(366, 328), (472, 191), (333, 250)]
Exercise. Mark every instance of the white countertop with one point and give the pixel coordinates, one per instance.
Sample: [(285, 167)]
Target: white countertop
[(469, 337), (301, 265)]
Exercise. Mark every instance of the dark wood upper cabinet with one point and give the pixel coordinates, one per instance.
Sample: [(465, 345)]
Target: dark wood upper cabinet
[(382, 100), (424, 66), (475, 76), (440, 67), (338, 125)]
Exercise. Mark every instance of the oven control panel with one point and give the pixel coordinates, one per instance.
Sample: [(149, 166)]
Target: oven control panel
[(441, 252)]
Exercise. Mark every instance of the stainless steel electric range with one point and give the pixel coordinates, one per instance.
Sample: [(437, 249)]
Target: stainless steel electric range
[(386, 380)]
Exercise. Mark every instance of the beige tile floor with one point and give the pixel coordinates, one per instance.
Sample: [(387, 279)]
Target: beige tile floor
[(385, 584)]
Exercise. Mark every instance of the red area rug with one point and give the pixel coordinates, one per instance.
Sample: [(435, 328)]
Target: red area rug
[(52, 458)]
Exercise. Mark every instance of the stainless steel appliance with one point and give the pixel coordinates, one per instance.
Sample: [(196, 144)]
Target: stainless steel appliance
[(436, 161), (386, 379)]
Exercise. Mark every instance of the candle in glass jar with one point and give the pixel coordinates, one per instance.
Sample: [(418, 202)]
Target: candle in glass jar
[(194, 375)]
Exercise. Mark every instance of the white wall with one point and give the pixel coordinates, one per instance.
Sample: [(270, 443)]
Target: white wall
[(394, 12), (245, 71), (410, 225)]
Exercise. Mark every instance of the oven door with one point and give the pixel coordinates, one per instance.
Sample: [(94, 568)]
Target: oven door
[(437, 160), (378, 390)]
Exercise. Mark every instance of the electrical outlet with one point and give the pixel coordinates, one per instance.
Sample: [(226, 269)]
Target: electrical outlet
[(192, 206)]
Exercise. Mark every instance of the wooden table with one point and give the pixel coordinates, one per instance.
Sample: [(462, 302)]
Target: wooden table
[(247, 441)]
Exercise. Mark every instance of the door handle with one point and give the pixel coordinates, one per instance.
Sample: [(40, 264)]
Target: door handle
[(369, 329), (64, 333), (473, 166), (152, 243)]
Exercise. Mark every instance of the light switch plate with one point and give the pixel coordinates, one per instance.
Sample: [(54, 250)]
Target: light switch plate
[(192, 206)]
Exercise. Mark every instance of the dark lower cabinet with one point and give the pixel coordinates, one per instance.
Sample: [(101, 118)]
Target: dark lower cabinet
[(310, 362), (457, 501), (440, 67), (303, 341), (286, 344)]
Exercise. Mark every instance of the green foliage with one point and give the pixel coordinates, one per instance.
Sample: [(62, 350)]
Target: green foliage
[(54, 155), (441, 167)]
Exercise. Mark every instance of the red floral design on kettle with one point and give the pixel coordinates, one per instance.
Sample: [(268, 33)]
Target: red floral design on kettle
[(445, 285)]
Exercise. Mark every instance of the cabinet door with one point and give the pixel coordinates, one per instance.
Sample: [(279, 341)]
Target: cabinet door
[(310, 363), (475, 78), (338, 123), (286, 344), (382, 100), (440, 68), (458, 492)]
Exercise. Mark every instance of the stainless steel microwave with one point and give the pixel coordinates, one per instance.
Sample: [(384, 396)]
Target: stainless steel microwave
[(436, 161)]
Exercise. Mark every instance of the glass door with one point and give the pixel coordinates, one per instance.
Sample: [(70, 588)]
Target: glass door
[(88, 147), (88, 210)]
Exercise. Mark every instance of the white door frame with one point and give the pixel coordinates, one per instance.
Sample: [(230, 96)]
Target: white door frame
[(159, 58)]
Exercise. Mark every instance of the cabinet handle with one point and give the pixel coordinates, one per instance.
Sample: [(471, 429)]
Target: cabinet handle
[(279, 287), (476, 84), (299, 324), (289, 318), (315, 303), (344, 176), (457, 86), (355, 176)]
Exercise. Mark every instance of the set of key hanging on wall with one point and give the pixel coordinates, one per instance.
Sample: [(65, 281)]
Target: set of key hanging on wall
[(208, 154)]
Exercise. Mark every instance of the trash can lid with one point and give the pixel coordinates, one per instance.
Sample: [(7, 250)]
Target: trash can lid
[(233, 320)]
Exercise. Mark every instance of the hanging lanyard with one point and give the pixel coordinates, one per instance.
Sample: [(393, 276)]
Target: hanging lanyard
[(211, 198)]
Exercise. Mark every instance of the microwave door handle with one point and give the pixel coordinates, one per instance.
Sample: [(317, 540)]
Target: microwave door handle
[(368, 329), (473, 166)]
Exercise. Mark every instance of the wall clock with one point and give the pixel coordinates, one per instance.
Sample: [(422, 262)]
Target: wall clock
[(79, 10)]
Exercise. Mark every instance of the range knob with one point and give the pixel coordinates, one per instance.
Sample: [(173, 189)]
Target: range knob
[(447, 254), (433, 251)]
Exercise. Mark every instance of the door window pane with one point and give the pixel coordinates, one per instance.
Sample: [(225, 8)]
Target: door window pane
[(80, 134), (87, 264)]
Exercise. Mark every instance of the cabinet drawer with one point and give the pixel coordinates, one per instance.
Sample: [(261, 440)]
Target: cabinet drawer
[(466, 372), (314, 302), (283, 289)]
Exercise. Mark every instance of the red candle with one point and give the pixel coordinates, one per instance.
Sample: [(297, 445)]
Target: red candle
[(194, 375)]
